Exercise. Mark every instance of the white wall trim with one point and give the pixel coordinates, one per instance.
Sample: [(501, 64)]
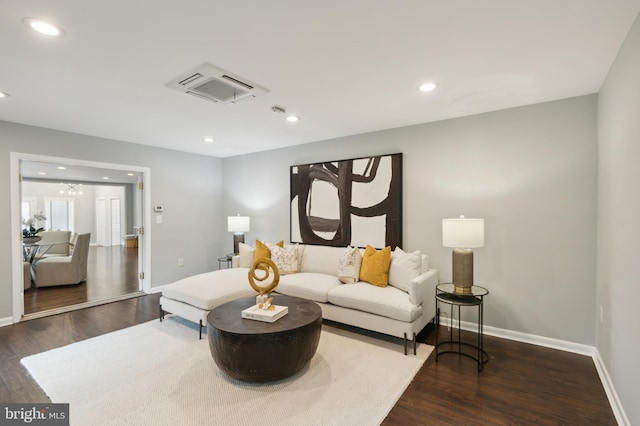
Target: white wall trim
[(612, 395), (158, 289), (16, 237), (145, 250), (6, 321), (547, 342), (562, 345), (16, 221)]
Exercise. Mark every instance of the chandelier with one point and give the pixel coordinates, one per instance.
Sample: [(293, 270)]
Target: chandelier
[(71, 190)]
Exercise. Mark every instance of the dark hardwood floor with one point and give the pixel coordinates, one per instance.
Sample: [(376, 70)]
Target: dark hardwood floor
[(38, 335), (111, 272), (522, 384)]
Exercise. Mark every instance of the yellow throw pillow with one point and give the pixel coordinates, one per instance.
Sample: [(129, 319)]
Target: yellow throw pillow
[(375, 266), (262, 250)]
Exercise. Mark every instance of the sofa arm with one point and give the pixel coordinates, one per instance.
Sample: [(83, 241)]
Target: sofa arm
[(235, 261), (422, 288)]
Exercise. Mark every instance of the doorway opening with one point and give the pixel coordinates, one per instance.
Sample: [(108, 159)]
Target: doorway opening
[(115, 267)]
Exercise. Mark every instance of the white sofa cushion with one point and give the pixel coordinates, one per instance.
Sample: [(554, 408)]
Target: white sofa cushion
[(385, 301), (208, 290), (349, 265), (308, 285), (404, 268), (245, 257), (321, 259)]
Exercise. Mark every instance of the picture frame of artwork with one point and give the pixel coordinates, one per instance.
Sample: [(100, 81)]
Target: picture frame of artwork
[(356, 202)]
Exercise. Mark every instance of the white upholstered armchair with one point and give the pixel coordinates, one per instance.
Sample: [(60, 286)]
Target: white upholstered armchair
[(56, 243), (64, 270)]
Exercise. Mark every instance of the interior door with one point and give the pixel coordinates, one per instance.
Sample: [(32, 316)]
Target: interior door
[(101, 222), (116, 227)]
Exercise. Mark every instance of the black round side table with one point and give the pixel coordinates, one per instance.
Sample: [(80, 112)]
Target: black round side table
[(445, 293)]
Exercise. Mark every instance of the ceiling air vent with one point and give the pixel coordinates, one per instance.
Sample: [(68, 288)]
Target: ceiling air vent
[(215, 85)]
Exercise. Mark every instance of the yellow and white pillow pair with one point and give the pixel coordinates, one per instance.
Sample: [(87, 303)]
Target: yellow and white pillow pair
[(380, 267), (286, 258)]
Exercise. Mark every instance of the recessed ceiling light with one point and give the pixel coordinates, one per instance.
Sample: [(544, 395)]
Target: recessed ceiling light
[(4, 95), (208, 140), (129, 174), (44, 27), (42, 173), (62, 168), (105, 178), (427, 87), (293, 118)]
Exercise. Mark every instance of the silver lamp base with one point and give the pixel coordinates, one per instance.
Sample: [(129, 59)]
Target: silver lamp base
[(462, 263)]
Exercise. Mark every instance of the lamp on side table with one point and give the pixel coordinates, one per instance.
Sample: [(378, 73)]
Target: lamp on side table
[(462, 234)]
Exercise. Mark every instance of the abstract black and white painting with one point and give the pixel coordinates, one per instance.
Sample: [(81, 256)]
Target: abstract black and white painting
[(348, 202)]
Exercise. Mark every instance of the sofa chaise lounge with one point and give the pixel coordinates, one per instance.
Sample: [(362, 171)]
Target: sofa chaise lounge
[(401, 309)]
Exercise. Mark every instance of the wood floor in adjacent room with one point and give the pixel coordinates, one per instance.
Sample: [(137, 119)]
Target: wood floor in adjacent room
[(521, 384), (111, 272)]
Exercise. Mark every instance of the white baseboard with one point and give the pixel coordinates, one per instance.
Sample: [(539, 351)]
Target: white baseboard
[(6, 321), (612, 395), (158, 289), (562, 345)]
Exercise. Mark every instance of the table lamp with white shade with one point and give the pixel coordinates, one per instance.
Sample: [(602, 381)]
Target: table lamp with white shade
[(462, 234), (238, 225)]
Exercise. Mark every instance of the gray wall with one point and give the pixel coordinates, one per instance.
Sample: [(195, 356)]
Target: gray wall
[(188, 185), (618, 338), (530, 172)]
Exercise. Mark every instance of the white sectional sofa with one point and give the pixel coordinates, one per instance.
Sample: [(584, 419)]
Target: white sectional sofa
[(401, 310)]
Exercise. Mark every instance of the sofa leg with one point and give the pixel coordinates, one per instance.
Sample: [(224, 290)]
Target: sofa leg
[(405, 343), (161, 313), (200, 329), (414, 343)]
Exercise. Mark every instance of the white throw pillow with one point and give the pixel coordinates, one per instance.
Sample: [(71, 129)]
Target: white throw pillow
[(285, 258), (246, 255), (404, 268), (349, 266)]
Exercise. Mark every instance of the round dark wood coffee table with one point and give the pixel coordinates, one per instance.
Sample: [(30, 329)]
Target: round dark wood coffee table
[(256, 351)]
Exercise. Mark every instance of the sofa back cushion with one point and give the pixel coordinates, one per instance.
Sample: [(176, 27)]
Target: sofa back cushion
[(246, 255), (404, 268), (321, 259)]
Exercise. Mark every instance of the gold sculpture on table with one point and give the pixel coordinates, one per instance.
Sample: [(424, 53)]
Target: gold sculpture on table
[(264, 265)]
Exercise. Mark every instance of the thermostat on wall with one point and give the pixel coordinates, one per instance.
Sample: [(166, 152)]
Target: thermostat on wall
[(158, 209)]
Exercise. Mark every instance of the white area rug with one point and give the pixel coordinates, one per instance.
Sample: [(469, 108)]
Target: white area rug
[(159, 373)]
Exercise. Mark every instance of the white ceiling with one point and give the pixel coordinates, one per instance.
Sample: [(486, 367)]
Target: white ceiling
[(70, 173), (345, 66)]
